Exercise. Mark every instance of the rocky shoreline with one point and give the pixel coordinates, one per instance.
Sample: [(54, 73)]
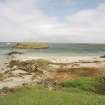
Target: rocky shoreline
[(49, 73)]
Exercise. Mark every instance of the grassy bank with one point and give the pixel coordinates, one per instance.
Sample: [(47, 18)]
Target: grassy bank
[(70, 95), (75, 86)]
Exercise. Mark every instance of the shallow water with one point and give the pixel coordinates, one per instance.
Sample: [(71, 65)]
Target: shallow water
[(59, 49)]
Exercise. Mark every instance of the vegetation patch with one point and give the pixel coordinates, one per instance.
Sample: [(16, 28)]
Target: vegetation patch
[(99, 85), (41, 96), (82, 83)]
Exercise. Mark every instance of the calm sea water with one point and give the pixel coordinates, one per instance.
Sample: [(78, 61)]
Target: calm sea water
[(59, 49)]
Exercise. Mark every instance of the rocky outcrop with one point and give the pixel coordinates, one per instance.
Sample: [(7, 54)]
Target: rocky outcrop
[(29, 65), (14, 52), (102, 56), (30, 45), (43, 72)]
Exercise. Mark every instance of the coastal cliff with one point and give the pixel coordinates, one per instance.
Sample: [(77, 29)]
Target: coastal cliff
[(30, 45)]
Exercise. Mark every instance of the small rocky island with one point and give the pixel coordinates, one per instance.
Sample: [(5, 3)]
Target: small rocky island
[(30, 45)]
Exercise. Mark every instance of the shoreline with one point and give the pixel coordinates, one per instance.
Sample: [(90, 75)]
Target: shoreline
[(18, 77), (60, 59)]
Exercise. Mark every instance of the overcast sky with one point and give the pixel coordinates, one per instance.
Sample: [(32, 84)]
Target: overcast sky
[(80, 21)]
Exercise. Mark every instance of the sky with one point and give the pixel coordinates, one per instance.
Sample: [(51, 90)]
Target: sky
[(71, 21)]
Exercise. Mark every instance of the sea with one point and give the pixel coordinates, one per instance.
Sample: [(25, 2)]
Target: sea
[(57, 49), (54, 50)]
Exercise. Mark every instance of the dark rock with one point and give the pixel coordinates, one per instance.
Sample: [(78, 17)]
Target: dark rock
[(4, 90), (14, 52), (102, 56)]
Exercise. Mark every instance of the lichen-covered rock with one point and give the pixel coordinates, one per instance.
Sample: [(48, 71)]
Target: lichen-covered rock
[(30, 45), (29, 65)]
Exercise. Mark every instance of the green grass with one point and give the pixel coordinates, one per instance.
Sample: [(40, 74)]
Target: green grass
[(83, 83), (75, 92), (41, 96)]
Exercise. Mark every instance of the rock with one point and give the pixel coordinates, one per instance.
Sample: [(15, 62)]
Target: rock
[(13, 63), (102, 56), (48, 82), (4, 90), (14, 52), (37, 75), (17, 72), (29, 65), (30, 45), (7, 71), (1, 76), (14, 68)]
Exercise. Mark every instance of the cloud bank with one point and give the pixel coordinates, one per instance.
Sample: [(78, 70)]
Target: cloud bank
[(23, 20)]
